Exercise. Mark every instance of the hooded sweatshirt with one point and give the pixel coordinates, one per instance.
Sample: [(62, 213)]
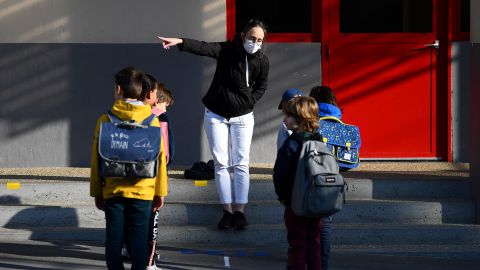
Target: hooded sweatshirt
[(325, 109), (230, 93), (142, 189)]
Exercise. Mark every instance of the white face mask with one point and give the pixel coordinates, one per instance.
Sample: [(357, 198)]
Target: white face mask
[(251, 47)]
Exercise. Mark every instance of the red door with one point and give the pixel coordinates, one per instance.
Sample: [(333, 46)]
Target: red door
[(379, 58)]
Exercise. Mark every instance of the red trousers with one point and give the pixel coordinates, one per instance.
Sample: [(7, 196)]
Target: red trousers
[(303, 236)]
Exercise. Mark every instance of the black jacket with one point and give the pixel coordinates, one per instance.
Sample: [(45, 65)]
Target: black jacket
[(229, 95), (285, 166)]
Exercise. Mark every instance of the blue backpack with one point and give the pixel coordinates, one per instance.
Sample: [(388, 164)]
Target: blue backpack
[(128, 149), (343, 140)]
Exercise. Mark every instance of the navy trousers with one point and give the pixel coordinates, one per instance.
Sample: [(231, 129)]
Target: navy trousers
[(130, 217)]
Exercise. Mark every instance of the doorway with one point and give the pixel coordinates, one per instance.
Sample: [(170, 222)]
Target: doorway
[(380, 58)]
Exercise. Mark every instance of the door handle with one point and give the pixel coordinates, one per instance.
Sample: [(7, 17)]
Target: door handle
[(435, 45)]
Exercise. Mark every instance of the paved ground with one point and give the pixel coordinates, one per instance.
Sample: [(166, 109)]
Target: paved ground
[(34, 255)]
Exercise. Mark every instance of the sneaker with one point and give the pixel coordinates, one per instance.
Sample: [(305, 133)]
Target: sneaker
[(226, 221), (153, 267), (124, 253), (240, 220)]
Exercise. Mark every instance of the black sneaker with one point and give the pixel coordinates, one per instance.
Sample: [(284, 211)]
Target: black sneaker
[(226, 221), (240, 220)]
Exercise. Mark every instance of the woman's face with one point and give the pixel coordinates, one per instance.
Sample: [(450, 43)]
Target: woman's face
[(255, 34)]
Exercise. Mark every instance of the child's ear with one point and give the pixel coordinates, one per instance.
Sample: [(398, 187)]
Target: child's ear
[(149, 94), (118, 91)]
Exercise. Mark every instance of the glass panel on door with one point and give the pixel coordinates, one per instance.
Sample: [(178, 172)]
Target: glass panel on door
[(385, 16)]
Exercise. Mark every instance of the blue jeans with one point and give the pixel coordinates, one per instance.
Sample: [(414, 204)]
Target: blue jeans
[(128, 216), (325, 234)]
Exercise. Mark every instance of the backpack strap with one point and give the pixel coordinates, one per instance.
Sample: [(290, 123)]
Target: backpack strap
[(148, 121), (331, 118), (113, 118)]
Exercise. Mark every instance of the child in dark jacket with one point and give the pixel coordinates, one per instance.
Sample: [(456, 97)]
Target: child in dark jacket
[(327, 106), (159, 103), (303, 234), (159, 108), (151, 84)]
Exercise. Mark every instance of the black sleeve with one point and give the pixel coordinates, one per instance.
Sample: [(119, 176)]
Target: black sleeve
[(260, 85), (284, 169), (201, 48)]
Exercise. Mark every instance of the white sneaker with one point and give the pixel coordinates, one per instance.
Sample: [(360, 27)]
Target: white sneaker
[(124, 253), (153, 267)]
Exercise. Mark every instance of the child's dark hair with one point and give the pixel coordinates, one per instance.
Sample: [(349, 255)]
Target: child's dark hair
[(305, 112), (254, 23), (164, 95), (149, 83), (130, 81), (323, 94)]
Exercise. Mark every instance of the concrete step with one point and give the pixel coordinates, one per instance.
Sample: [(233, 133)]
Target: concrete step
[(452, 252), (274, 235), (77, 192), (266, 212)]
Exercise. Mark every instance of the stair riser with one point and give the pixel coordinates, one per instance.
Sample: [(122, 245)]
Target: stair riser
[(273, 237), (77, 193), (267, 213)]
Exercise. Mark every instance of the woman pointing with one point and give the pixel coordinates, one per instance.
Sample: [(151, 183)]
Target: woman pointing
[(240, 80)]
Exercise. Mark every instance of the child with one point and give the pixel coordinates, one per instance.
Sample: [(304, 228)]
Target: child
[(159, 102), (303, 234), (283, 132), (127, 203), (327, 105), (165, 100)]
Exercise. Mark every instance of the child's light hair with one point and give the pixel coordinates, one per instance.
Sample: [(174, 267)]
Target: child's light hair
[(305, 112), (164, 94)]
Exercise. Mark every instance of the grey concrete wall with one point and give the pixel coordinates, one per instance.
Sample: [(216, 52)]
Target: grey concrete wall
[(291, 66), (474, 101), (57, 60), (460, 74), (109, 21), (475, 21), (53, 93)]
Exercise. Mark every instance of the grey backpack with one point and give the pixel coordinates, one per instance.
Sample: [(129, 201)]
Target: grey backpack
[(318, 189)]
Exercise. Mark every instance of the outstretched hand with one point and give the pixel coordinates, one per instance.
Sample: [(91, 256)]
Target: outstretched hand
[(169, 42)]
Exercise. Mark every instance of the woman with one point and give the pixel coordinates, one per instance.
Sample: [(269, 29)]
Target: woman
[(240, 80)]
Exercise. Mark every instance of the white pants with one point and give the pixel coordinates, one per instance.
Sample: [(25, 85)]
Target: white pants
[(234, 134)]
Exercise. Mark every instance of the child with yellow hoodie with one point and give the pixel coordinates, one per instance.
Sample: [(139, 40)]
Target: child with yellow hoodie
[(127, 203)]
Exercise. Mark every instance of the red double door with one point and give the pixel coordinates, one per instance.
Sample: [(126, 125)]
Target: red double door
[(380, 58)]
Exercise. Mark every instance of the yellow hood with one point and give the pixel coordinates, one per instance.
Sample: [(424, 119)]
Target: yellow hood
[(127, 111)]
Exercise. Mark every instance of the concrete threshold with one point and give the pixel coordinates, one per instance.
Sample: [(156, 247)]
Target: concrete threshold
[(263, 171)]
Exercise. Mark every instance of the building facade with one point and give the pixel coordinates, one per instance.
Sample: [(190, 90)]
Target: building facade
[(402, 70)]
